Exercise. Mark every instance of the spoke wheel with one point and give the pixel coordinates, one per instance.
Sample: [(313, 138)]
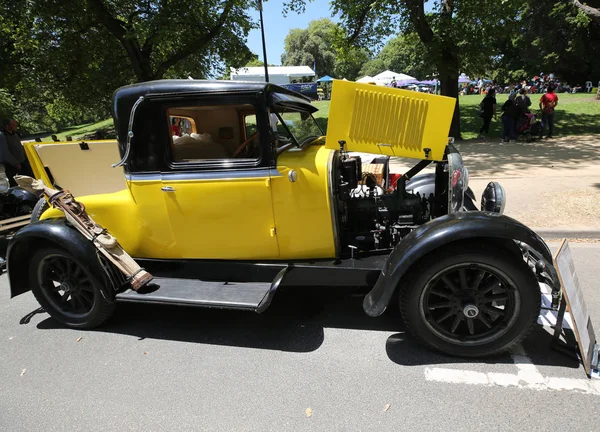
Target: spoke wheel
[(66, 285), (470, 304), (470, 300), (66, 288)]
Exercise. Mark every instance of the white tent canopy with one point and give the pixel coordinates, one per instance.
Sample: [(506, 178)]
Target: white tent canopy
[(388, 75), (365, 79), (277, 74)]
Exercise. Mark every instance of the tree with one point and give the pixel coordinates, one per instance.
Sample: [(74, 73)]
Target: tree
[(592, 12), (77, 52), (311, 47), (323, 45), (406, 54), (548, 36), (456, 34), (255, 62)]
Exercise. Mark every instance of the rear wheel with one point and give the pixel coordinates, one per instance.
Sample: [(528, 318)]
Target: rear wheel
[(40, 207), (471, 301), (67, 291)]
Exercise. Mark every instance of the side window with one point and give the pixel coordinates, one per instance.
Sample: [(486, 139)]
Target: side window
[(212, 133)]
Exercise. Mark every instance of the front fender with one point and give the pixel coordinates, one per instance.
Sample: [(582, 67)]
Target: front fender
[(442, 231), (50, 232)]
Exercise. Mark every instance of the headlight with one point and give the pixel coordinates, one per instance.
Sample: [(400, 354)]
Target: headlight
[(458, 177), (493, 198)]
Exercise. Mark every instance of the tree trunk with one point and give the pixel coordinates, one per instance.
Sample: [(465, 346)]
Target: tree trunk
[(449, 87), (598, 92)]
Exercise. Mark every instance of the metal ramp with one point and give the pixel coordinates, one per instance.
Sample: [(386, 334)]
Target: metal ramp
[(251, 296)]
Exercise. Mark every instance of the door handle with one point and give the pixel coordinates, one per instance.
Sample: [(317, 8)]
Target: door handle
[(167, 189)]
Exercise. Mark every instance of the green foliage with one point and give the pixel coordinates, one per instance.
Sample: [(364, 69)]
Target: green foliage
[(549, 36), (405, 54), (6, 104), (255, 62), (325, 44), (62, 59)]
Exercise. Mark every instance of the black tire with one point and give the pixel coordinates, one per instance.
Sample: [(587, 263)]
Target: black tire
[(40, 207), (67, 291), (500, 317)]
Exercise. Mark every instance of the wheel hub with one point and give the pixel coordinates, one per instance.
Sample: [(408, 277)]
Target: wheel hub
[(471, 311)]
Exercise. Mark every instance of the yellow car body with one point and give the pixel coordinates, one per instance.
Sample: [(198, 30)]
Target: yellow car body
[(238, 217), (229, 190)]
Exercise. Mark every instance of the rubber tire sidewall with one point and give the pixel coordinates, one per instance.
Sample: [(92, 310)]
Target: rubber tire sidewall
[(102, 309), (40, 207), (509, 264)]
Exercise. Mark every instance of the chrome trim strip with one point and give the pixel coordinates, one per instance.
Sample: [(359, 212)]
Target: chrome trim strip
[(204, 175), (333, 204), (129, 133)]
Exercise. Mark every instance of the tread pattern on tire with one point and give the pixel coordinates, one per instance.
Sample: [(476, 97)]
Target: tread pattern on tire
[(405, 292), (106, 307), (40, 207)]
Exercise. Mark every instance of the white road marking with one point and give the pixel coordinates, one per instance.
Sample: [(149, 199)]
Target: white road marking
[(527, 377)]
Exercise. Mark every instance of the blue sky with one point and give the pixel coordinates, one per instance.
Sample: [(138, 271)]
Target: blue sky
[(277, 26)]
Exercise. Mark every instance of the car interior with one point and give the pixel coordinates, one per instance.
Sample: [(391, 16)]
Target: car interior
[(213, 132)]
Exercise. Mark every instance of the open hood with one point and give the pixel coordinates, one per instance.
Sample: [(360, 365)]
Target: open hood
[(389, 121)]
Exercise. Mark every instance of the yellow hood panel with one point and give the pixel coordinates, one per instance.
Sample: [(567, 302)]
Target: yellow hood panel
[(389, 121)]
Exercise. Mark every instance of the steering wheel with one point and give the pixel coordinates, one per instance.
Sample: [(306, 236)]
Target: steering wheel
[(245, 144)]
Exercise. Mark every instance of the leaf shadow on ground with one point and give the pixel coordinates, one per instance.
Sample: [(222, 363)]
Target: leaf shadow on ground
[(294, 323), (495, 158)]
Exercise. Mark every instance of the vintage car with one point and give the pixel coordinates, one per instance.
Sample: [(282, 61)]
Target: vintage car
[(231, 191)]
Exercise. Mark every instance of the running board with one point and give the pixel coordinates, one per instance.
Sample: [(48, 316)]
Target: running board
[(254, 296)]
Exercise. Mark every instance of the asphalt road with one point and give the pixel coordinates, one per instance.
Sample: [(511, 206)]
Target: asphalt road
[(157, 368)]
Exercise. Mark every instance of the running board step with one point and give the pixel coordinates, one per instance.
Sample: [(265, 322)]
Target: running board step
[(192, 292)]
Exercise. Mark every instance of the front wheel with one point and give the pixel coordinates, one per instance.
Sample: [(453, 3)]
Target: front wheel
[(67, 291), (471, 301)]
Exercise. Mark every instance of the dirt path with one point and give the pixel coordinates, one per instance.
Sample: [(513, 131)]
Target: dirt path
[(549, 184)]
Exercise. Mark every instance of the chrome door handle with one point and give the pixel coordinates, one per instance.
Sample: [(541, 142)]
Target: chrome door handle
[(167, 189)]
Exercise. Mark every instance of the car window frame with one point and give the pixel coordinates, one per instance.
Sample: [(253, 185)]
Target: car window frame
[(237, 98)]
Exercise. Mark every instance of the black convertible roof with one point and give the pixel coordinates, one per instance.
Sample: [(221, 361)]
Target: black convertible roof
[(125, 97)]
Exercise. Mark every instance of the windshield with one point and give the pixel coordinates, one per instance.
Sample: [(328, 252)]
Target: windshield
[(299, 127)]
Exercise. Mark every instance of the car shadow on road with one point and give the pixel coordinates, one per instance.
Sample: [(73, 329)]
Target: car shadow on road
[(294, 323)]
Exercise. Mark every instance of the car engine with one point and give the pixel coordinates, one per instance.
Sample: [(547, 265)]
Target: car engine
[(372, 214)]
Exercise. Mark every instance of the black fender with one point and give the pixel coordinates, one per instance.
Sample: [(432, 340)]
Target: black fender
[(50, 232), (443, 231), (22, 195), (425, 185)]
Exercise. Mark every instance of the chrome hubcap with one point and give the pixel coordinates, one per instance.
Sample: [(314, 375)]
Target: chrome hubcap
[(471, 311)]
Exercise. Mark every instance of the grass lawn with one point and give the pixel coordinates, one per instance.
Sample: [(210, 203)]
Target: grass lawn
[(81, 130), (576, 114)]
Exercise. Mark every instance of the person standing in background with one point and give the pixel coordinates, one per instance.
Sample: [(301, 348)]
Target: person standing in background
[(547, 103), (488, 110), (509, 115), (12, 153)]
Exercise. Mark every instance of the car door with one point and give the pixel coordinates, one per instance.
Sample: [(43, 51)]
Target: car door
[(217, 188)]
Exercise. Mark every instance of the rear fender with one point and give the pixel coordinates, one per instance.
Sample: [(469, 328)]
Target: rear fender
[(444, 231), (50, 232)]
